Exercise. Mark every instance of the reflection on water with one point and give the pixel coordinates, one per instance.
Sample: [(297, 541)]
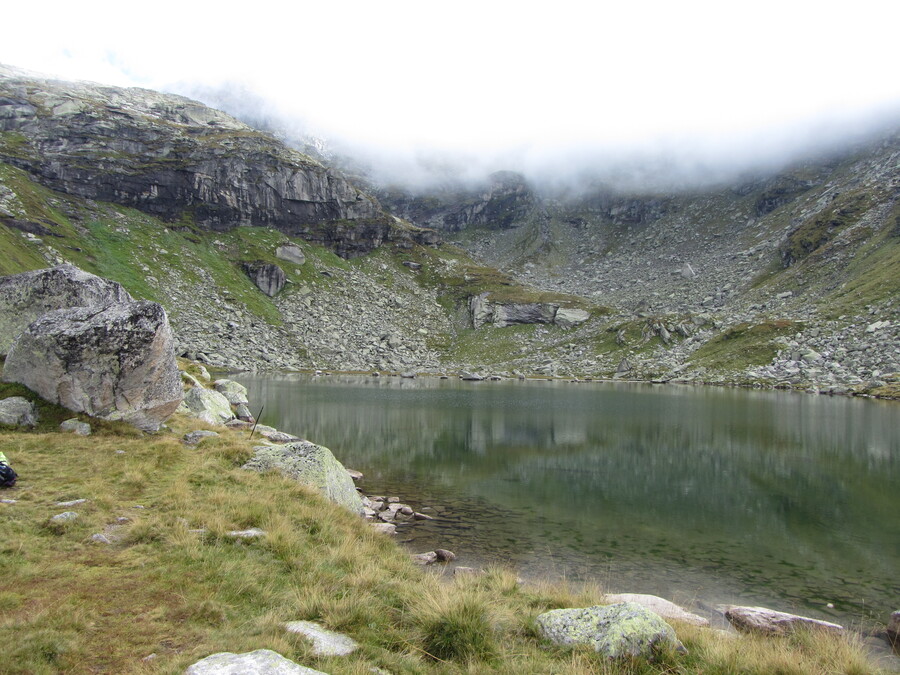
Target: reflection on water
[(714, 495)]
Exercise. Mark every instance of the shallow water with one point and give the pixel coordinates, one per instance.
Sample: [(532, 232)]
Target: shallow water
[(700, 495)]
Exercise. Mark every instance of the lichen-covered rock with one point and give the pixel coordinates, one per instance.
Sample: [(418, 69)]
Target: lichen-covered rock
[(209, 405), (313, 465), (25, 297), (268, 278), (260, 662), (235, 392), (771, 622), (17, 411), (115, 362), (619, 630)]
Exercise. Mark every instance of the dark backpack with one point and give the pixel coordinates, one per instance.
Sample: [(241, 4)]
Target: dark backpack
[(8, 476)]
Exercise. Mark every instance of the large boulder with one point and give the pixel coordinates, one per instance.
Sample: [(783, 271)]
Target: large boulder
[(25, 297), (313, 465), (771, 622), (616, 631), (115, 362), (260, 662), (18, 412), (268, 278)]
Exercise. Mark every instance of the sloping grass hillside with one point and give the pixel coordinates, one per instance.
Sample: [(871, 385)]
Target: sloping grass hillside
[(172, 586)]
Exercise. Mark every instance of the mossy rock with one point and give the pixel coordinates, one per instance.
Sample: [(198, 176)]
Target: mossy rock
[(616, 631), (313, 465)]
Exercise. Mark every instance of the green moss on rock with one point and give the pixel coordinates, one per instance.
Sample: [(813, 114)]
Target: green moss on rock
[(616, 631)]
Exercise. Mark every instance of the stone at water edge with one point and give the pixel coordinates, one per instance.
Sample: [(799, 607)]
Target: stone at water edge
[(206, 401), (313, 465), (665, 608), (260, 662), (325, 642), (235, 392), (616, 631), (771, 622), (25, 297), (893, 628), (116, 362), (17, 411)]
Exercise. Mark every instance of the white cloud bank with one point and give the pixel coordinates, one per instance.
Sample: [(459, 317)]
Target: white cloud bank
[(544, 85)]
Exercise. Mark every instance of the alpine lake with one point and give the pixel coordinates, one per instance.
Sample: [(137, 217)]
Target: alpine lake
[(702, 495)]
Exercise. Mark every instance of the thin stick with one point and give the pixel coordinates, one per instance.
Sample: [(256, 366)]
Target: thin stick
[(255, 422)]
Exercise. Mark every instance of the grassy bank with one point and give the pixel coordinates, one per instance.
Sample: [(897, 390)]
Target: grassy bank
[(173, 582)]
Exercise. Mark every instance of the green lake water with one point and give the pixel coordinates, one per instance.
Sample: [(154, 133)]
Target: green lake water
[(700, 495)]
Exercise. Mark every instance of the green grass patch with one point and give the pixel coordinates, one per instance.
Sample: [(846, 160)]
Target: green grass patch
[(744, 345), (822, 228)]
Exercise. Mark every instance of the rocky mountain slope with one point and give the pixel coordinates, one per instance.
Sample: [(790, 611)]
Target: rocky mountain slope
[(786, 280)]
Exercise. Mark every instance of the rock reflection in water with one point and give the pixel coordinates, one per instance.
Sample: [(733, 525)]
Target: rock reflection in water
[(704, 493)]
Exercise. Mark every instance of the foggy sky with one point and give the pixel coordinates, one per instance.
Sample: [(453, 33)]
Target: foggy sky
[(687, 90)]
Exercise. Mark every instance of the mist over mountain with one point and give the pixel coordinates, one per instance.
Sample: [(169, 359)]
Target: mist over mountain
[(686, 161)]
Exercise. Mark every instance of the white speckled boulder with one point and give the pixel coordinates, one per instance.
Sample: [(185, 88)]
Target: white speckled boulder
[(313, 465), (624, 629), (115, 362), (25, 297), (260, 662)]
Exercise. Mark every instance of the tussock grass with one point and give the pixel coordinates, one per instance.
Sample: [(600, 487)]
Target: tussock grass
[(175, 584)]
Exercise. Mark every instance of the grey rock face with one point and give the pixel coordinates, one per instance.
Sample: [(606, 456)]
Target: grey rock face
[(483, 311), (625, 629), (166, 154), (291, 253), (505, 200), (260, 662), (268, 278), (771, 622), (17, 411), (26, 296), (115, 362), (325, 642), (313, 465)]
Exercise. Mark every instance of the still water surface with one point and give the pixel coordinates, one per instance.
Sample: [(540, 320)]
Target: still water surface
[(701, 495)]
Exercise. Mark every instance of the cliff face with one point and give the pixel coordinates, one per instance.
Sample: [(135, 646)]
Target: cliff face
[(505, 201), (177, 159)]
